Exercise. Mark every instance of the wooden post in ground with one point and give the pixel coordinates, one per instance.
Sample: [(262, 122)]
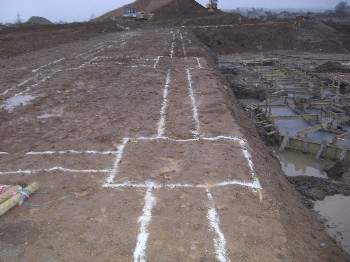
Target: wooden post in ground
[(284, 142), (334, 144), (343, 155), (14, 200), (322, 147), (306, 144)]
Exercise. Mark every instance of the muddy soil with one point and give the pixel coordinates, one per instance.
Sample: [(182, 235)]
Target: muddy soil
[(134, 134), (26, 38), (310, 36), (313, 188)]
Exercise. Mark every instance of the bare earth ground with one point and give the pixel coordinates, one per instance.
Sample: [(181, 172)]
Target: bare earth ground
[(144, 156)]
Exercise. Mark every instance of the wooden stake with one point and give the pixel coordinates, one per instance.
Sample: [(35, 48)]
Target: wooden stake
[(6, 195), (7, 205)]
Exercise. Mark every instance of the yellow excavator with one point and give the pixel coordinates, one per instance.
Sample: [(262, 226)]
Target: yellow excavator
[(212, 6), (132, 14)]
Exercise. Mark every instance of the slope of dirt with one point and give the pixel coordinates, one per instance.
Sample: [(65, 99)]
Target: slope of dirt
[(163, 9), (292, 204), (180, 9), (215, 19), (135, 133), (343, 30), (241, 38), (310, 36), (27, 38)]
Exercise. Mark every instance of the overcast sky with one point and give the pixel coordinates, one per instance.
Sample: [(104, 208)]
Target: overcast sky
[(81, 10)]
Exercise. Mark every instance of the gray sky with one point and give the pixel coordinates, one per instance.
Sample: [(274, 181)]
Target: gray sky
[(81, 10)]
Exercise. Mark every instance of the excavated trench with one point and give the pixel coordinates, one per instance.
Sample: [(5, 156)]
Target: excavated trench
[(321, 191)]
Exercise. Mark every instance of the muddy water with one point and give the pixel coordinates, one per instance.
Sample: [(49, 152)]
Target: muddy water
[(299, 164), (249, 101), (335, 210), (21, 100)]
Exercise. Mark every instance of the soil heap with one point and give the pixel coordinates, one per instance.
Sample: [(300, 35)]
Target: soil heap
[(333, 67), (163, 9), (39, 21)]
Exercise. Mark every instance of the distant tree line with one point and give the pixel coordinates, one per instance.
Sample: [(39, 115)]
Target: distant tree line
[(342, 8)]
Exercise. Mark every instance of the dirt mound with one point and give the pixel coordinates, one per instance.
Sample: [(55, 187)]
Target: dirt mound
[(314, 188), (310, 36), (243, 38), (37, 20), (163, 9), (332, 67), (217, 19), (16, 40), (339, 170), (180, 9)]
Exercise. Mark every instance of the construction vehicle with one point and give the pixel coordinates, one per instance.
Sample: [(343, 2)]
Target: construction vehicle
[(131, 13), (212, 6)]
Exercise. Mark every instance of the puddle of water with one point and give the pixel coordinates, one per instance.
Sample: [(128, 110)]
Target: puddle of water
[(298, 164), (292, 126), (336, 211), (10, 104), (285, 111)]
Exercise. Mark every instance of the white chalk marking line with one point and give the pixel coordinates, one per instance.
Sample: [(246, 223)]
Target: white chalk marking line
[(51, 63), (36, 84), (90, 52), (97, 52), (211, 26), (172, 50), (230, 138), (118, 158), (199, 62), (44, 79), (32, 78), (161, 122), (67, 69), (248, 156), (19, 85), (129, 184), (214, 221), (194, 106), (155, 65), (144, 221), (157, 62), (183, 45), (62, 152), (255, 184), (58, 168), (141, 138)]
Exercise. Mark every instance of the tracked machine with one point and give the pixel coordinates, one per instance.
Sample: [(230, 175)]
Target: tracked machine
[(212, 6), (130, 13)]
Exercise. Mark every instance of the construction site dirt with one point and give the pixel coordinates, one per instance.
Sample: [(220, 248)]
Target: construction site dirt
[(142, 151)]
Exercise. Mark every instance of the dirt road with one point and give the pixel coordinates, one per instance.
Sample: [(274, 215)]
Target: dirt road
[(138, 157)]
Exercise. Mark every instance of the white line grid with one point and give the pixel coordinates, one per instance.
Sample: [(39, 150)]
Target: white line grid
[(254, 184), (44, 72), (150, 201)]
